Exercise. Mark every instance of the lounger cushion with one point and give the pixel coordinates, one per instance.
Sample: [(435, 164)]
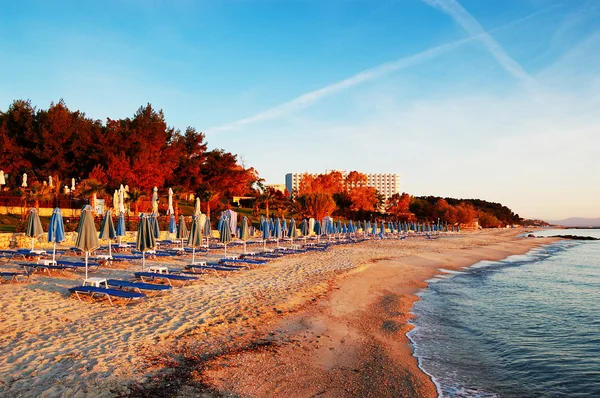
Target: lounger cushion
[(110, 292), (138, 285)]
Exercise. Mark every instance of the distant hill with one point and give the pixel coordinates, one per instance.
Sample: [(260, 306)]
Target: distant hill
[(578, 222)]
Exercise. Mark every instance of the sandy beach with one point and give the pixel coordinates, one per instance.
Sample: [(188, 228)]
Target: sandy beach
[(329, 324)]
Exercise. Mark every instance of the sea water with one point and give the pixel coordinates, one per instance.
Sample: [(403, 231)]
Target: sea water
[(526, 326)]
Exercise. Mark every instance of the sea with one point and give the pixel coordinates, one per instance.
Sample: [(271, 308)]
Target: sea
[(525, 326)]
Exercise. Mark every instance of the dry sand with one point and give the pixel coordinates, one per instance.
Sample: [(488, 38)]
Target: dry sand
[(317, 324)]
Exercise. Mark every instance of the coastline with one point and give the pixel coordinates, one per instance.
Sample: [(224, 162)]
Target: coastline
[(352, 341), (328, 324)]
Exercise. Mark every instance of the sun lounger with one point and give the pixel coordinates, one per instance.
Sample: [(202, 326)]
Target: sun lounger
[(34, 267), (242, 261), (78, 264), (137, 286), (169, 278), (212, 268), (108, 293), (12, 276)]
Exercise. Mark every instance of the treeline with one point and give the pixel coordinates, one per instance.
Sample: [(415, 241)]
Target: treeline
[(489, 214), (141, 151)]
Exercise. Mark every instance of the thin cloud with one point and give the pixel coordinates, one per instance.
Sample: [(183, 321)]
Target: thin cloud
[(309, 98), (474, 28)]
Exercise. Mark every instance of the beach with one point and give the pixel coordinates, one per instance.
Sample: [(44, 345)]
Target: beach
[(327, 323)]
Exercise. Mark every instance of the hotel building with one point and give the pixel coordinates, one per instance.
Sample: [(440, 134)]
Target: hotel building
[(386, 184)]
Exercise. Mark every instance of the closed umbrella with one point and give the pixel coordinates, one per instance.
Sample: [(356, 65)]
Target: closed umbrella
[(120, 230), (195, 238), (34, 226), (382, 231), (318, 230), (87, 237), (292, 231), (182, 231), (107, 230), (225, 234), (121, 199), (304, 230), (116, 201), (277, 232), (24, 184), (197, 207), (56, 230), (284, 227), (374, 228), (245, 231), (145, 237), (172, 224), (266, 232), (170, 210), (155, 200), (207, 231), (154, 224), (2, 180)]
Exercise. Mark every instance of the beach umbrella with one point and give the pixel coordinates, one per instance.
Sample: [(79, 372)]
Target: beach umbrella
[(154, 224), (197, 207), (260, 223), (2, 179), (24, 184), (145, 237), (318, 230), (207, 231), (87, 237), (34, 226), (195, 238), (56, 230), (107, 230), (304, 227), (155, 200), (120, 230), (382, 231), (272, 226), (245, 231), (458, 228), (170, 210), (116, 201), (121, 199), (225, 235), (277, 232), (284, 227), (72, 184), (172, 224), (266, 232), (452, 228), (182, 231), (358, 225), (292, 231)]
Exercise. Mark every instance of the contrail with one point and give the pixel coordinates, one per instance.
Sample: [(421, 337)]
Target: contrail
[(306, 99), (474, 28), (309, 98)]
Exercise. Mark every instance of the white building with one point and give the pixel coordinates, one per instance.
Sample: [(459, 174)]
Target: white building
[(386, 184)]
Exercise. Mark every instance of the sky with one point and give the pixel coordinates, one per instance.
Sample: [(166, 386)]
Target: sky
[(495, 99)]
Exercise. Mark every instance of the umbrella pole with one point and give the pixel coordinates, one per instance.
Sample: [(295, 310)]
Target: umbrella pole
[(109, 250), (143, 261), (193, 254), (86, 265), (31, 243), (244, 247), (54, 254)]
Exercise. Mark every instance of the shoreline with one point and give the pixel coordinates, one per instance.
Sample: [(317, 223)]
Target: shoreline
[(331, 324), (311, 352)]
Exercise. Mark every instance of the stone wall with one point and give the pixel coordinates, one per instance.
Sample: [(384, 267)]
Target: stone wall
[(43, 211)]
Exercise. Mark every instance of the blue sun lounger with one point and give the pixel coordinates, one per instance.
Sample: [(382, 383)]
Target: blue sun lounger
[(137, 286), (78, 264), (12, 276), (242, 261), (208, 268), (169, 278), (33, 267), (108, 293)]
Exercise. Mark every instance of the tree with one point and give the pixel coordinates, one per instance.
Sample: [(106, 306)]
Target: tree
[(356, 179), (135, 196), (364, 198), (267, 196), (317, 205), (91, 188), (36, 193), (487, 220), (465, 213), (443, 210), (398, 205)]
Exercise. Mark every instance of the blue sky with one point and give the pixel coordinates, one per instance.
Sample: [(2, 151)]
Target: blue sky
[(498, 100)]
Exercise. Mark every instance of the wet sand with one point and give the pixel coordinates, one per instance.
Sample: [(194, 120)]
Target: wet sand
[(316, 324)]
